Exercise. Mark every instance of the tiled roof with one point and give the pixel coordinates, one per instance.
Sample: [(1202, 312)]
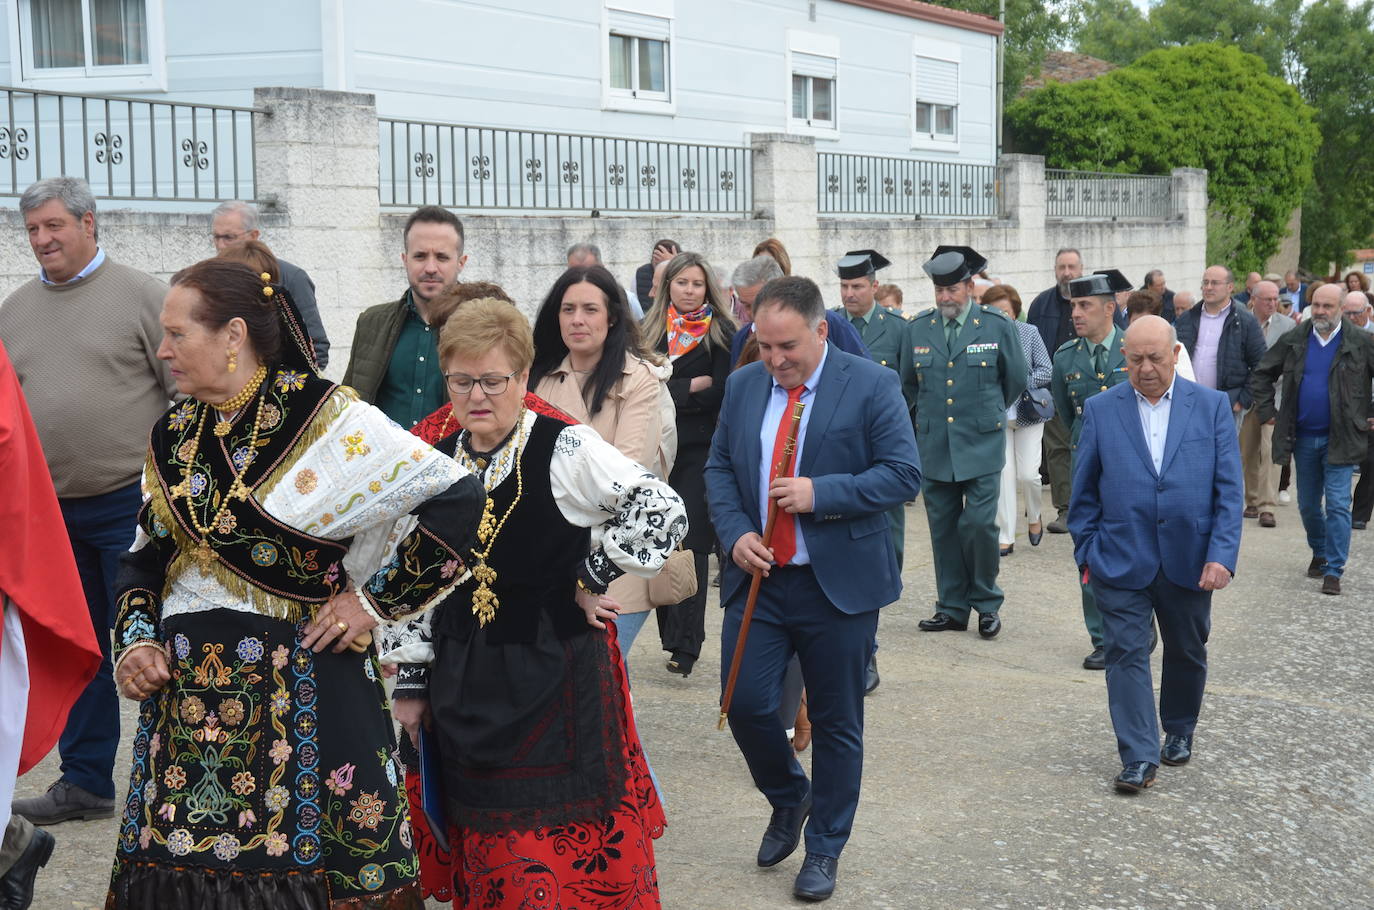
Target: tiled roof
[(1064, 66), (930, 12)]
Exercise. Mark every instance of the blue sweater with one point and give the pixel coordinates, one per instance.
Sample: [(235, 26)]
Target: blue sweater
[(1314, 399)]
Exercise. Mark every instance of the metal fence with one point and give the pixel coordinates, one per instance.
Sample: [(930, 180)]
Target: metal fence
[(127, 148), (1093, 194), (871, 185), (472, 167)]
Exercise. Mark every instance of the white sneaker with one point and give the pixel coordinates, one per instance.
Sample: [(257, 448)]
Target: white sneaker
[(1284, 498)]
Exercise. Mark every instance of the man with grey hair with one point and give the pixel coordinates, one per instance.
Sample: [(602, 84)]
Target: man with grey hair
[(83, 336), (1223, 339), (585, 255), (1256, 438), (1052, 315), (1183, 302), (235, 223)]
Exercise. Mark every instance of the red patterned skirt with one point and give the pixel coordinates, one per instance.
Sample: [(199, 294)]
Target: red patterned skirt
[(605, 863)]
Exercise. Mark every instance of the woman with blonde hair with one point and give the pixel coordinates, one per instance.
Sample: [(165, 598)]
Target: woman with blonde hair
[(691, 323)]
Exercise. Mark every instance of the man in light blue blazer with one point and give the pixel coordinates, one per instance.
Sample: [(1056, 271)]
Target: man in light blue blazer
[(830, 567), (1156, 529)]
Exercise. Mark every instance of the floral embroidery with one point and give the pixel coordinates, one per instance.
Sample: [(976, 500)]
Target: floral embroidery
[(375, 486), (276, 798), (192, 709), (249, 650), (226, 847), (450, 568), (247, 818), (231, 712), (354, 445), (371, 876), (185, 449), (180, 842), (243, 457), (181, 646), (280, 751), (174, 777), (276, 844), (180, 419), (264, 553), (289, 380), (138, 627), (341, 779), (270, 417), (306, 481), (279, 655), (281, 702), (367, 811), (159, 529), (243, 783), (327, 519), (227, 523), (198, 483)]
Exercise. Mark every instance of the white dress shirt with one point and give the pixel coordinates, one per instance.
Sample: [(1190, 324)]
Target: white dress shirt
[(768, 433), (1154, 421)]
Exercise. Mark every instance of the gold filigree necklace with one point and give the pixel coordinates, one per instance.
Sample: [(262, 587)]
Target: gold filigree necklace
[(222, 521), (484, 600), (226, 409)]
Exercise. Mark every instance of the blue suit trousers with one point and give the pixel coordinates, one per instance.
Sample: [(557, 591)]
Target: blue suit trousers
[(1185, 620), (793, 616)]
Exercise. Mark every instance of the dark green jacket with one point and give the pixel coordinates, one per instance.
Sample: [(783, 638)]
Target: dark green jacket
[(1074, 381), (374, 340), (1348, 387)]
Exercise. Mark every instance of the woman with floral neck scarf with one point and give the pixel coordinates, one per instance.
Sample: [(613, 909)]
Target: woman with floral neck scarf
[(691, 322)]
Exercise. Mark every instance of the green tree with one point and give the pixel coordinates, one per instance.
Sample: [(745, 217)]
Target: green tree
[(1033, 28), (1264, 28), (1335, 46), (1114, 30), (1205, 106)]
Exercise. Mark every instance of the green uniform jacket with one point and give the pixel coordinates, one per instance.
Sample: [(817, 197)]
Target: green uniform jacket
[(1074, 381), (885, 337), (373, 342), (961, 396)]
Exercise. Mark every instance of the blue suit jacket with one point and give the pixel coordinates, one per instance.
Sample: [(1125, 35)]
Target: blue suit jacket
[(842, 335), (1129, 522), (860, 454)]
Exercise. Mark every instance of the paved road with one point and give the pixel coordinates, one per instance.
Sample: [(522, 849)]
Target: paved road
[(987, 780)]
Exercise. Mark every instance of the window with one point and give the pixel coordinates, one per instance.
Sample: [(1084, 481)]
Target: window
[(936, 117), (813, 90), (92, 44), (639, 60)]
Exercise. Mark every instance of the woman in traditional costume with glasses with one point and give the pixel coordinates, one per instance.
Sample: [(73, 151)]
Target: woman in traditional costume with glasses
[(263, 764), (691, 324), (517, 678)]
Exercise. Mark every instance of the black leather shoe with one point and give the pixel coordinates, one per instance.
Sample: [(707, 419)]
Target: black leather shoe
[(784, 833), (1316, 568), (1007, 550), (989, 624), (816, 880), (681, 663), (1177, 749), (1137, 776), (871, 677), (1358, 525), (1331, 584), (942, 622), (1035, 537), (16, 888), (1095, 661)]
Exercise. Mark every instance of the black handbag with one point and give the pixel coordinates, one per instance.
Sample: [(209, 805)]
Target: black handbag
[(1034, 406)]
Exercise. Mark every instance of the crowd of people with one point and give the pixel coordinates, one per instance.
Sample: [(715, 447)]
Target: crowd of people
[(466, 536)]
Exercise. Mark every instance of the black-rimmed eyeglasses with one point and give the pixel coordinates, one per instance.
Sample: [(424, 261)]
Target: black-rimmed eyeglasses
[(462, 383)]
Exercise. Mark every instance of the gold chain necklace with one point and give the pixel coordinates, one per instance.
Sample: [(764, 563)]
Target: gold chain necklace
[(225, 424), (484, 599), (222, 521)]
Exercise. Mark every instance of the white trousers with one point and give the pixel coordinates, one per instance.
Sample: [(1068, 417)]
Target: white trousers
[(14, 704), (1022, 469)]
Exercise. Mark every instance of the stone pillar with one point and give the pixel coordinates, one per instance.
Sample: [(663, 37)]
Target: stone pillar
[(317, 165), (1190, 208), (785, 193), (1023, 258)]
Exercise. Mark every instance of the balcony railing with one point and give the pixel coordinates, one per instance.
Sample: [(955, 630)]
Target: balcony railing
[(472, 167), (1098, 195), (872, 185), (127, 148)]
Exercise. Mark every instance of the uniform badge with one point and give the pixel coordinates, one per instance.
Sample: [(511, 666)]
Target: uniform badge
[(920, 349)]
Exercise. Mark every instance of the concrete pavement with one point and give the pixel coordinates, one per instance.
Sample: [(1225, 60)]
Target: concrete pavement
[(988, 765)]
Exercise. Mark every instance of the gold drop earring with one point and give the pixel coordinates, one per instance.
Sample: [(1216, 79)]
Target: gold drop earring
[(233, 360)]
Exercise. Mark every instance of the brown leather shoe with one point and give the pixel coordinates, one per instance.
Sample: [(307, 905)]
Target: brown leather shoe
[(1266, 520), (1331, 584), (801, 730), (1251, 512), (1316, 568)]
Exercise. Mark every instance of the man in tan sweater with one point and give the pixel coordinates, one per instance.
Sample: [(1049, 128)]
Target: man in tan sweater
[(83, 337)]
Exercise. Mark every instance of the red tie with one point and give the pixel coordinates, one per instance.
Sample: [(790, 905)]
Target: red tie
[(785, 525)]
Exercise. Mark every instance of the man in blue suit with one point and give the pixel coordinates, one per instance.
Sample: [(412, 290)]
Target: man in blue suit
[(828, 571), (1156, 530)]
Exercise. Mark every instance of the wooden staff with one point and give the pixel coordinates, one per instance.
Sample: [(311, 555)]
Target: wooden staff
[(789, 449)]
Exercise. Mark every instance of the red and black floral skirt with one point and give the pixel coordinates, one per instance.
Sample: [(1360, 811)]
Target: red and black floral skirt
[(602, 858)]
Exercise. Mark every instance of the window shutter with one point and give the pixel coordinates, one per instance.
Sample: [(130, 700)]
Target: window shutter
[(937, 80), (813, 65), (638, 24)]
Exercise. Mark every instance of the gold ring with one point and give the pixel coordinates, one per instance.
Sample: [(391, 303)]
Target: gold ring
[(343, 626)]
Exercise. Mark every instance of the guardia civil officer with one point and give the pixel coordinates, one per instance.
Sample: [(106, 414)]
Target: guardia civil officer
[(884, 334), (1083, 367), (967, 369)]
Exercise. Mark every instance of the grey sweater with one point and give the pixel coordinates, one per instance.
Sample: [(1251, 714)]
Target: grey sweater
[(86, 356)]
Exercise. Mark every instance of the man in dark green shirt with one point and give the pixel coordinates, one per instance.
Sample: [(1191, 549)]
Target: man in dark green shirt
[(394, 363)]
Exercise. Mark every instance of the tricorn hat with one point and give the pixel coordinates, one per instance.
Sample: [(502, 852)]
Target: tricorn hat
[(1098, 284), (1117, 281), (953, 264), (860, 263)]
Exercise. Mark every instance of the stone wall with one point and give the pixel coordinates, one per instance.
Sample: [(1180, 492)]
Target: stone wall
[(318, 189)]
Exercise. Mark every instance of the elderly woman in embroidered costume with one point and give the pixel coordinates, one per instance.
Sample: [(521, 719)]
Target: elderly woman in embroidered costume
[(516, 676), (690, 322), (263, 765)]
